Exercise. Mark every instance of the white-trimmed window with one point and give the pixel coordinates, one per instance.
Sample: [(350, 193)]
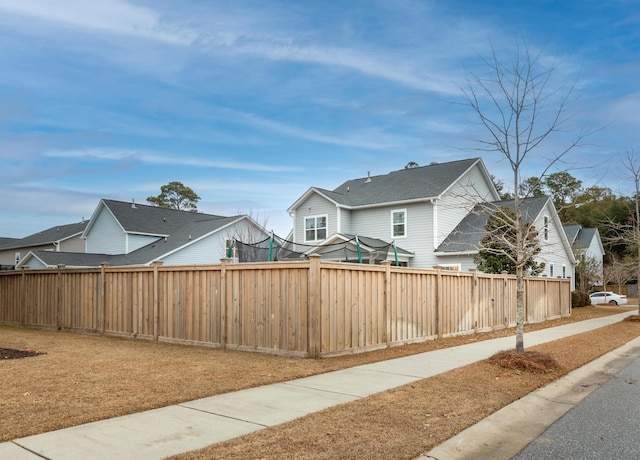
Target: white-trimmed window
[(451, 267), (398, 223), (550, 270), (564, 271), (17, 258), (545, 228), (315, 228)]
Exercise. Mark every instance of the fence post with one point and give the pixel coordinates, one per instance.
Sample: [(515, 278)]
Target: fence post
[(23, 297), (156, 300), (223, 302), (102, 301), (59, 297), (439, 313), (314, 337), (387, 302), (475, 298)]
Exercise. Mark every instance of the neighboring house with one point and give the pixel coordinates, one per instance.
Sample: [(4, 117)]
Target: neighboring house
[(55, 239), (415, 208), (430, 212), (587, 244), (121, 233), (556, 253), (586, 241)]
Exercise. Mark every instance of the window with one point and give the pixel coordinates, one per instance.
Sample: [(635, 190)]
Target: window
[(17, 258), (315, 228), (564, 271), (550, 270), (450, 267), (546, 228), (398, 223)]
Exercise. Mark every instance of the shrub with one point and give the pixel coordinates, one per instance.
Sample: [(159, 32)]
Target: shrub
[(580, 299)]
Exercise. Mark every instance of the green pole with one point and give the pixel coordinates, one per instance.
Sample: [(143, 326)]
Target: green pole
[(358, 250), (230, 249), (395, 253), (271, 247)]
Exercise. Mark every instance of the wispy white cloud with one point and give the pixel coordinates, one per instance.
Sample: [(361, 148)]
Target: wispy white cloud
[(371, 139), (164, 159), (112, 16)]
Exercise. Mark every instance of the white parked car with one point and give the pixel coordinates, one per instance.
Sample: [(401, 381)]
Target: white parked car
[(608, 297)]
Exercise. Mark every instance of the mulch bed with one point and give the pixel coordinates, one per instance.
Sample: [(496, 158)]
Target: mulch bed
[(10, 353)]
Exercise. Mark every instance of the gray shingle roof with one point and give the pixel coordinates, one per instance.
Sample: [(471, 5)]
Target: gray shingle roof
[(174, 229), (403, 185), (50, 235), (469, 232), (153, 220), (572, 232)]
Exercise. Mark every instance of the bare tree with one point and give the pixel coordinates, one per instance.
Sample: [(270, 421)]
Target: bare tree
[(588, 270), (631, 234), (519, 110)]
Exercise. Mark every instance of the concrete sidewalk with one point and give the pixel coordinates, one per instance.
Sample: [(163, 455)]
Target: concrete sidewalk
[(192, 425)]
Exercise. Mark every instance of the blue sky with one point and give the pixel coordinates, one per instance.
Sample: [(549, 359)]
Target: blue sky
[(250, 103)]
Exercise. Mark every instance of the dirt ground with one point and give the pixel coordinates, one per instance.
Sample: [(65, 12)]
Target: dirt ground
[(81, 378)]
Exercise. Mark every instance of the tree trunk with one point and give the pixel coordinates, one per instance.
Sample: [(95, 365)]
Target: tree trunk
[(519, 310)]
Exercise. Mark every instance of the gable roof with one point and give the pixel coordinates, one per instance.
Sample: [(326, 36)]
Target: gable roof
[(48, 236), (411, 184), (468, 233), (572, 232), (174, 230), (579, 236), (148, 220)]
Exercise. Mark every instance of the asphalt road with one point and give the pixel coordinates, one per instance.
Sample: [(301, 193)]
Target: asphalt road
[(605, 425)]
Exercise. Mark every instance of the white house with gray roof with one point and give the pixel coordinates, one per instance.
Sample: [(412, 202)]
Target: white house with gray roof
[(121, 233), (587, 244), (429, 212)]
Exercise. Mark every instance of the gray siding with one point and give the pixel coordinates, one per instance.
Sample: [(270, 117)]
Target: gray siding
[(345, 221), (458, 201), (135, 241), (35, 264), (315, 205), (376, 223), (106, 236)]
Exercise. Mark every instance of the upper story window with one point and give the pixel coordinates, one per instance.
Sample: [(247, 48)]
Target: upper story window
[(546, 228), (315, 228), (399, 223)]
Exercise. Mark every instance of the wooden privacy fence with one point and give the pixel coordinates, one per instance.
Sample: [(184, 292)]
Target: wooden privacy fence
[(308, 308)]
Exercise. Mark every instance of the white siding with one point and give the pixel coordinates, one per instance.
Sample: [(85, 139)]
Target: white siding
[(135, 241), (106, 236), (553, 251), (595, 249), (315, 205)]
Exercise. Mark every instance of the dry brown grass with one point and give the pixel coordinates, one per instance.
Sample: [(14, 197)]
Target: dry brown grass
[(83, 378)]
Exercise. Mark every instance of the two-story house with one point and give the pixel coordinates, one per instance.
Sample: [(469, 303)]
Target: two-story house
[(416, 208), (429, 214)]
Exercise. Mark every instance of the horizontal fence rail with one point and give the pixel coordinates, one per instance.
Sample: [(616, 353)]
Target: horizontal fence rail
[(307, 308)]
